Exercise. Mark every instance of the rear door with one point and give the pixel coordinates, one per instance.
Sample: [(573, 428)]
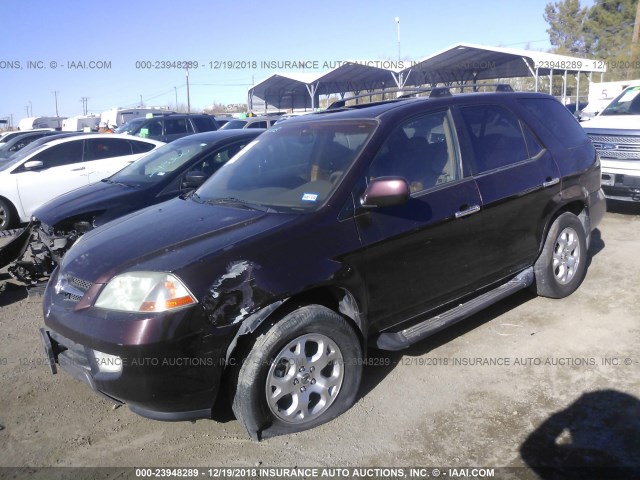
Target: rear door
[(62, 170), (517, 178), (418, 255), (106, 155)]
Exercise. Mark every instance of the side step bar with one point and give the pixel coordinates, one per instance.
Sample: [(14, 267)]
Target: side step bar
[(405, 338)]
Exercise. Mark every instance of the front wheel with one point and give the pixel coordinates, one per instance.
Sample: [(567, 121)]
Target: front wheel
[(304, 371), (561, 267), (6, 215)]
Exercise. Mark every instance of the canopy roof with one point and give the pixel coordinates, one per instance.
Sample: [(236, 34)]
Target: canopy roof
[(461, 63)]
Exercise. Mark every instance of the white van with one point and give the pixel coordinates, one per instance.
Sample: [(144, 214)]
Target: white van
[(80, 122), (118, 116), (31, 123)]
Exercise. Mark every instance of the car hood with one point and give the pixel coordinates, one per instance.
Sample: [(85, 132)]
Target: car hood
[(90, 198), (619, 122), (166, 237)]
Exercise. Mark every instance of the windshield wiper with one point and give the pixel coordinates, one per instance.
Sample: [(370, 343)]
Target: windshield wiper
[(239, 203), (107, 180)]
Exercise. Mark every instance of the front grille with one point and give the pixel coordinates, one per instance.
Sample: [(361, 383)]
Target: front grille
[(617, 147), (619, 140), (83, 285), (71, 288), (619, 154)]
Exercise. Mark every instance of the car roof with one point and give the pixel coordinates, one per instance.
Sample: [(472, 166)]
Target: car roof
[(378, 110), (218, 135), (105, 135)]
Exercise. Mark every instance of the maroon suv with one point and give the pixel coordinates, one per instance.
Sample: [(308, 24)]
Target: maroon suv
[(372, 226)]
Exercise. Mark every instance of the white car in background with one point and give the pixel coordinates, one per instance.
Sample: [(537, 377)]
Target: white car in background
[(32, 178)]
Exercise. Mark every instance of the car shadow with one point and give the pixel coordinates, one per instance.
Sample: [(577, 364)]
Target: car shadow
[(381, 363), (10, 292), (597, 436)]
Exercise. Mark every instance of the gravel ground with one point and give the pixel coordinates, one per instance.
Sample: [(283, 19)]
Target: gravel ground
[(530, 382)]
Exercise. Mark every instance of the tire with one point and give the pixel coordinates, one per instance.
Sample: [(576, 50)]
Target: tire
[(6, 215), (303, 372), (562, 265)]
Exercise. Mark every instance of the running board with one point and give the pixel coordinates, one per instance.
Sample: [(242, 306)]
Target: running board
[(408, 336)]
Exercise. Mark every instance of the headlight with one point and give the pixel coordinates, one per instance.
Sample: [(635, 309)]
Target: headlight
[(145, 292)]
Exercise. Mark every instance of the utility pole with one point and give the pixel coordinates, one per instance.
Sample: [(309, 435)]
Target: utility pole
[(398, 30), (141, 104), (176, 90), (188, 97), (55, 94), (635, 46), (85, 106)]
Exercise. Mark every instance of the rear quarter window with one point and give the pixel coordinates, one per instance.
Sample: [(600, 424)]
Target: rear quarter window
[(203, 124), (557, 120)]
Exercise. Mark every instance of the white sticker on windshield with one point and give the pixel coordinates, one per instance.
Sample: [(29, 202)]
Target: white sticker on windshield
[(309, 197)]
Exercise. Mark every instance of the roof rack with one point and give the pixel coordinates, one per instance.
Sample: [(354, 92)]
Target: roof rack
[(434, 92)]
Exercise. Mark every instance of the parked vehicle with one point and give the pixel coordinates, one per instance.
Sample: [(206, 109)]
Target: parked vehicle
[(372, 226), (118, 116), (31, 123), (169, 171), (28, 180), (81, 122), (6, 136), (19, 142), (131, 125), (615, 134), (168, 128), (250, 122)]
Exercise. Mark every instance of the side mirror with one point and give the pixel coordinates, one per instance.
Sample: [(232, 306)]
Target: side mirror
[(194, 179), (386, 192), (33, 165)]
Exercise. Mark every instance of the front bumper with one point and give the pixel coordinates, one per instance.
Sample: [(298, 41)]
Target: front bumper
[(163, 366), (619, 186)]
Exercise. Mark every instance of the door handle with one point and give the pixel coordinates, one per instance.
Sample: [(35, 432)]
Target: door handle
[(78, 169), (550, 181), (468, 211)]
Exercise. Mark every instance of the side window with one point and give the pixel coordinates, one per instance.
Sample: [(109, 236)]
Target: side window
[(496, 136), (63, 154), (203, 124), (421, 150), (140, 147), (211, 163), (100, 148), (533, 145), (557, 119), (153, 128), (261, 124), (175, 125)]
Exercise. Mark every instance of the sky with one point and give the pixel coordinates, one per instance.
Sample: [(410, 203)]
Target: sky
[(120, 53)]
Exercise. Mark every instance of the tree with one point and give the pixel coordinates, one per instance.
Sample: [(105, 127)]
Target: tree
[(566, 30), (610, 25), (604, 31)]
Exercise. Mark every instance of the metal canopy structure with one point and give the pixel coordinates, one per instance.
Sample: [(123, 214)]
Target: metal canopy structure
[(301, 90), (464, 63), (461, 64)]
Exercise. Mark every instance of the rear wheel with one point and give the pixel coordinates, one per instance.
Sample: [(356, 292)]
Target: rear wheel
[(304, 371), (561, 267), (6, 215)]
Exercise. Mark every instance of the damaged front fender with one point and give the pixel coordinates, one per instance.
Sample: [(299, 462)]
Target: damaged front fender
[(14, 250)]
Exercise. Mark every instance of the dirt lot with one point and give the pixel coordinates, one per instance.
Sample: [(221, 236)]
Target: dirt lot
[(531, 381)]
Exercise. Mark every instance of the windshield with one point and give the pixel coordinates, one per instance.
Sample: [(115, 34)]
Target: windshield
[(627, 103), (154, 166), (292, 166), (130, 126)]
